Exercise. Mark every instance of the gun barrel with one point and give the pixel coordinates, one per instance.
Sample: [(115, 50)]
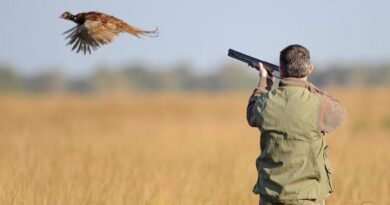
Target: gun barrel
[(253, 62)]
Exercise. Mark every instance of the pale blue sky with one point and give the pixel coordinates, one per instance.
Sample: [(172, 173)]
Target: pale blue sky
[(199, 32)]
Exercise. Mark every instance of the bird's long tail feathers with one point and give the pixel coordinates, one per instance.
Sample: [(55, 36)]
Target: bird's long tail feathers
[(138, 32)]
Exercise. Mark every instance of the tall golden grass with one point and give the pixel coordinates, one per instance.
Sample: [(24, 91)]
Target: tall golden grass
[(168, 149)]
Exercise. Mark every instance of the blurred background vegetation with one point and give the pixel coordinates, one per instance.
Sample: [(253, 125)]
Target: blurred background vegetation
[(181, 77)]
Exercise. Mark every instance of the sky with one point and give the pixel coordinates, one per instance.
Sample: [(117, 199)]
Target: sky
[(197, 32)]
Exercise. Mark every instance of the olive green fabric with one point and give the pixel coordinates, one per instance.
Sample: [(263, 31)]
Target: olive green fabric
[(293, 163), (293, 202)]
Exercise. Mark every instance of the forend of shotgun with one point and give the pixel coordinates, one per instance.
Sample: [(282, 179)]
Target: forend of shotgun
[(253, 62)]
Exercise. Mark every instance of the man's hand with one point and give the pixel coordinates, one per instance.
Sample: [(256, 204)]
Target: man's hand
[(265, 82), (262, 71)]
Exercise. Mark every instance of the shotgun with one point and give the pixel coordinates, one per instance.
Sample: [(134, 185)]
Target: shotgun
[(253, 62)]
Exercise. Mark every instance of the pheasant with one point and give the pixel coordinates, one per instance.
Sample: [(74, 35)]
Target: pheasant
[(95, 29)]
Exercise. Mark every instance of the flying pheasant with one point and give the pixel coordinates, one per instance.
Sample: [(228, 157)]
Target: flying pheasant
[(95, 29)]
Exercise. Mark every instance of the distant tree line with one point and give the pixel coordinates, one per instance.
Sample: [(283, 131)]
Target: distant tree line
[(229, 77)]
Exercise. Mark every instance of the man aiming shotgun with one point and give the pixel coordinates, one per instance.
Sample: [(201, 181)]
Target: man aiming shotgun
[(293, 166)]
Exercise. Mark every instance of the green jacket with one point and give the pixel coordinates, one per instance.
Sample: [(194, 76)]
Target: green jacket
[(293, 120)]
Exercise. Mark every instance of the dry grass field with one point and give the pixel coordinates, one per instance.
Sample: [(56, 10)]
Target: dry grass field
[(170, 149)]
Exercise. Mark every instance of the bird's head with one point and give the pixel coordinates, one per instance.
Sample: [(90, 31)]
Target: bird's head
[(66, 15)]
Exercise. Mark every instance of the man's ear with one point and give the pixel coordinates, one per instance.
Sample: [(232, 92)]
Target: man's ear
[(310, 69), (281, 72)]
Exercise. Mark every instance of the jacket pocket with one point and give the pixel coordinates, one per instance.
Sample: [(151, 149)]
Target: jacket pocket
[(328, 168)]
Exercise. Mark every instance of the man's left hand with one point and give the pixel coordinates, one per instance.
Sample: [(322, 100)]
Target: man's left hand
[(262, 71)]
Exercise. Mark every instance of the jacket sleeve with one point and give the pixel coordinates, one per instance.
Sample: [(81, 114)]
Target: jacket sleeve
[(250, 109), (331, 115), (265, 84)]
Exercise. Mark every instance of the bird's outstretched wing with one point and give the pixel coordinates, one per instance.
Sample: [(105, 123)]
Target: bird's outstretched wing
[(81, 40), (91, 35)]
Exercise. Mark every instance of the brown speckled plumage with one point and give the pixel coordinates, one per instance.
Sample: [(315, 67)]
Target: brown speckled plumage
[(94, 29)]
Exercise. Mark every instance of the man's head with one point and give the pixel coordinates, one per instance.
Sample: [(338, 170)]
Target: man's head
[(295, 62)]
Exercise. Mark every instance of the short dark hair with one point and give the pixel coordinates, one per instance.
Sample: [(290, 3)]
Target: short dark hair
[(294, 60)]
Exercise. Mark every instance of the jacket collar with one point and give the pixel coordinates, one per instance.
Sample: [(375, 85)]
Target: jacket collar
[(293, 82), (298, 82)]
